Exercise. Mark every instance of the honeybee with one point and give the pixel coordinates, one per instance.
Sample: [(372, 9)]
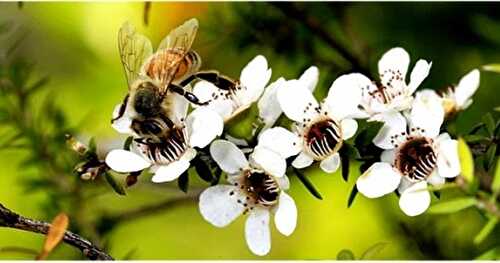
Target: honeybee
[(154, 79)]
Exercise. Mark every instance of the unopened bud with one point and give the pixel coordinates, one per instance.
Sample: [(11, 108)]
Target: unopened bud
[(76, 145)]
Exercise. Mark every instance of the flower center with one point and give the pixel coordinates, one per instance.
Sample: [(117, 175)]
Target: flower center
[(323, 138), (170, 148), (260, 187), (416, 158)]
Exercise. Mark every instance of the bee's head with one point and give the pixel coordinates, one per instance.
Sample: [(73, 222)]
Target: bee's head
[(147, 100)]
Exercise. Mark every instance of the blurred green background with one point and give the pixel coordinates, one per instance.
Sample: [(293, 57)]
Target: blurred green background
[(75, 45)]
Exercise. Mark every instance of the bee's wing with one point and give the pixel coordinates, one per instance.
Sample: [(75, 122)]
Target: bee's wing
[(164, 65), (134, 50), (181, 38)]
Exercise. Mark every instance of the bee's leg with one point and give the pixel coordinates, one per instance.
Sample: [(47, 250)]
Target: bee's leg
[(122, 109), (186, 94), (214, 77)]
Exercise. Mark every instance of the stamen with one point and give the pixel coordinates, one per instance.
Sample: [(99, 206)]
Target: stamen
[(416, 158), (323, 138), (260, 187)]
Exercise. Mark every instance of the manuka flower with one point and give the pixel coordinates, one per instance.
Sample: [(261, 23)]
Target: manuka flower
[(171, 156), (415, 155), (321, 128), (256, 187), (269, 108), (458, 98), (392, 93), (248, 89)]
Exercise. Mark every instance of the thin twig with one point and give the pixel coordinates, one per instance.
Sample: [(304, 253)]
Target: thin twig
[(314, 25), (12, 220)]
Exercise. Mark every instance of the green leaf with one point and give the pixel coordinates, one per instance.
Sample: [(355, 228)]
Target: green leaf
[(183, 182), (495, 186), (491, 254), (366, 136), (452, 206), (492, 67), (345, 254), (127, 143), (347, 152), (217, 174), (203, 170), (490, 157), (92, 145), (114, 184), (475, 138), (476, 128), (373, 250), (344, 160), (486, 230), (309, 186), (352, 196), (466, 161), (490, 123)]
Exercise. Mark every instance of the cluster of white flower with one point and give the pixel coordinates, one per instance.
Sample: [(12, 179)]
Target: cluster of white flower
[(415, 153)]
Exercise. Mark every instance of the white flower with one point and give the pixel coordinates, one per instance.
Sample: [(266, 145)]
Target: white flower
[(229, 103), (168, 159), (392, 93), (256, 187), (269, 108), (458, 98), (415, 155), (321, 128)]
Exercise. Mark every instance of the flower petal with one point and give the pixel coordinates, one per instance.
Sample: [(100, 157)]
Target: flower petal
[(388, 156), (297, 102), (280, 140), (418, 74), (394, 123), (396, 60), (405, 184), (269, 160), (349, 128), (380, 179), (435, 179), (283, 182), (415, 200), (345, 95), (310, 78), (203, 126), (257, 232), (448, 162), (219, 204), (303, 160), (121, 125), (269, 108), (227, 155), (285, 218), (330, 164), (218, 102), (170, 172), (254, 78), (467, 87), (427, 113), (123, 161), (179, 106)]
